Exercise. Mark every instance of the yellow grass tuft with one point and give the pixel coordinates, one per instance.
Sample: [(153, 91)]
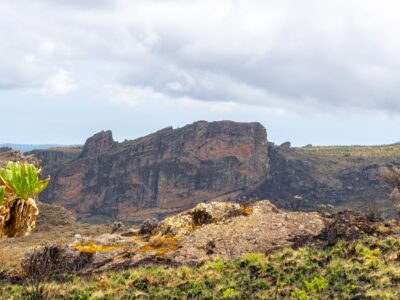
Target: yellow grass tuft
[(92, 247), (247, 211), (160, 244)]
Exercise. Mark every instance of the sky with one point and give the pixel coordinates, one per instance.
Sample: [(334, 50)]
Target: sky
[(312, 72)]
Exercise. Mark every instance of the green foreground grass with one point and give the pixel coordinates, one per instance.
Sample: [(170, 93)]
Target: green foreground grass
[(364, 269)]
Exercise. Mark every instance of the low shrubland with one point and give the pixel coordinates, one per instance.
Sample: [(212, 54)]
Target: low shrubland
[(367, 268)]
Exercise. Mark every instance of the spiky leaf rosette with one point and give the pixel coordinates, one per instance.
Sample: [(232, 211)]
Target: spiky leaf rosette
[(2, 193), (22, 180), (20, 183)]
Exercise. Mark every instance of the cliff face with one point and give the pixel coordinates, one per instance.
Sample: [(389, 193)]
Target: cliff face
[(343, 182), (174, 169), (98, 144), (55, 155), (167, 171)]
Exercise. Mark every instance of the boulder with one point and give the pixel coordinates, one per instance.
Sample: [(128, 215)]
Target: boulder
[(286, 145)]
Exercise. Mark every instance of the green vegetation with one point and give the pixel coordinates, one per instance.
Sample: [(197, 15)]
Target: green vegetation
[(2, 193), (368, 268), (367, 152), (22, 180), (19, 183)]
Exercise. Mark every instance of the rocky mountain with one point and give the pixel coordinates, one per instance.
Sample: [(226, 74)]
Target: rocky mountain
[(56, 155), (174, 169), (168, 171), (344, 181)]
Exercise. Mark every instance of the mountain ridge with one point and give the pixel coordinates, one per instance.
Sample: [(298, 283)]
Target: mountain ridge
[(104, 177)]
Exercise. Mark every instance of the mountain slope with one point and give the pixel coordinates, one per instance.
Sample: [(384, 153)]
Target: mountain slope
[(168, 171), (174, 169)]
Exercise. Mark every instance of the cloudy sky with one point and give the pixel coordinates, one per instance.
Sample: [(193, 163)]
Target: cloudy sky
[(320, 72)]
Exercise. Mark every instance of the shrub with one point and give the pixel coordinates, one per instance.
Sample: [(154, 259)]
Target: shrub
[(19, 183)]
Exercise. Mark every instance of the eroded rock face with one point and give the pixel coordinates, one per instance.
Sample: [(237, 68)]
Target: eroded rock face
[(97, 144), (357, 186), (159, 174), (56, 155)]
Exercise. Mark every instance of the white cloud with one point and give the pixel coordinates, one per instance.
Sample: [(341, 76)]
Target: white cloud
[(284, 55), (129, 95), (60, 83)]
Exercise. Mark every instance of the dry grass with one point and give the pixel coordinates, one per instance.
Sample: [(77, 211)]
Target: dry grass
[(92, 247), (13, 249), (247, 211), (160, 244), (368, 152)]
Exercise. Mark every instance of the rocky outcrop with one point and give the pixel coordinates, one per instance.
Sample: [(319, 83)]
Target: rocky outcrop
[(51, 215), (319, 182), (15, 155), (175, 169), (97, 144), (289, 177), (55, 155), (168, 171), (208, 231)]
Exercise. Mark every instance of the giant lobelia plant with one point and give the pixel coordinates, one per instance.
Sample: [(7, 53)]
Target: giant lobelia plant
[(19, 185)]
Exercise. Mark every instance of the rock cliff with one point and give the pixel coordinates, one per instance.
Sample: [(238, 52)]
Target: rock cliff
[(350, 183), (167, 171), (174, 169), (55, 155)]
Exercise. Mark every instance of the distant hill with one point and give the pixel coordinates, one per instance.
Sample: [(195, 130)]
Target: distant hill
[(28, 147)]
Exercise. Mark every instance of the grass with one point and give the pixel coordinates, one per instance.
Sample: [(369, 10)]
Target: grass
[(52, 235), (160, 244), (367, 152), (92, 247), (368, 268)]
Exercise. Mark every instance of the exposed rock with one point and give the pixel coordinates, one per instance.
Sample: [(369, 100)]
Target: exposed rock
[(131, 232), (230, 230), (51, 215), (262, 229), (149, 226), (111, 239), (165, 172), (172, 170), (117, 225), (287, 178), (56, 155), (318, 182), (97, 144), (202, 214), (15, 155), (224, 230), (286, 145)]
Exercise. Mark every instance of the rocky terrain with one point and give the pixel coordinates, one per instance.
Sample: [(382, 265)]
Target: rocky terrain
[(343, 180), (246, 249), (174, 169), (55, 224), (160, 174), (205, 232), (219, 249)]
